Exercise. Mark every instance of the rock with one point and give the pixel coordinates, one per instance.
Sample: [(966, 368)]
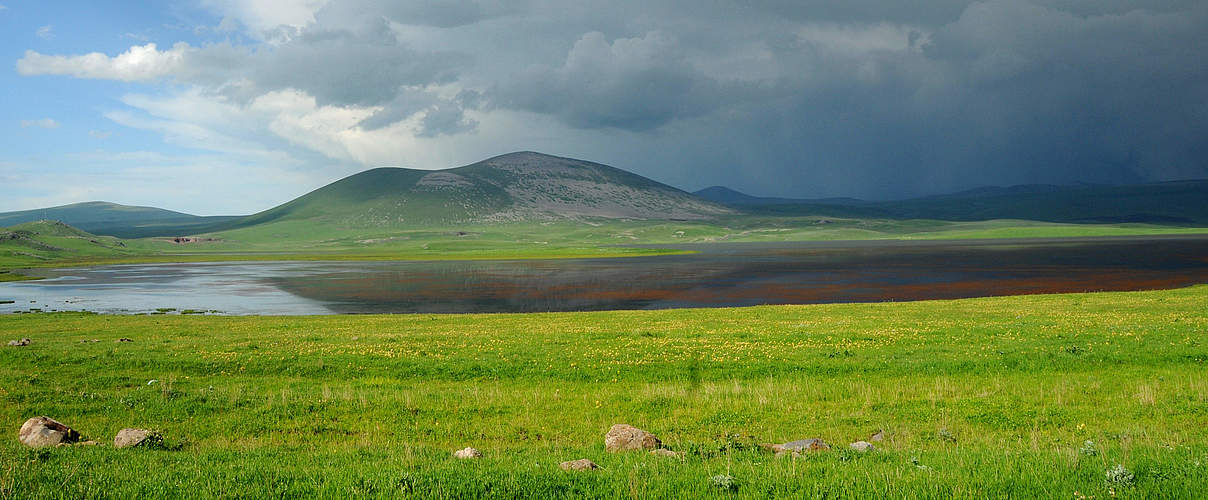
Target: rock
[(771, 447), (129, 438), (623, 437), (580, 464), (862, 446), (124, 339), (812, 444), (664, 452), (19, 343), (879, 436), (40, 432), (467, 452)]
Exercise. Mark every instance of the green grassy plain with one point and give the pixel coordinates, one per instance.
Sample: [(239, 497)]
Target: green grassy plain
[(51, 246), (979, 398)]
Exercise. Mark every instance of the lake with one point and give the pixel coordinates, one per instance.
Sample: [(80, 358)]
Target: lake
[(719, 275)]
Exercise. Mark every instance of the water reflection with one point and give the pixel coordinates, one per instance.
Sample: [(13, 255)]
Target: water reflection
[(721, 275)]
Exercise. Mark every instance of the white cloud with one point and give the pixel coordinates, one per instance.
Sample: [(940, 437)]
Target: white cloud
[(263, 15), (141, 62), (43, 123)]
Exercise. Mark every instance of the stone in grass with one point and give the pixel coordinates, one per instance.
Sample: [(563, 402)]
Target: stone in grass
[(624, 437), (862, 446), (467, 452), (812, 444), (879, 436), (123, 339), (42, 432), (664, 452), (19, 343), (580, 464), (130, 438)]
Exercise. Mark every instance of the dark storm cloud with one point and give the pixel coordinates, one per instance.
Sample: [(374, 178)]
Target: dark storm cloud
[(1007, 92), (873, 98), (634, 84)]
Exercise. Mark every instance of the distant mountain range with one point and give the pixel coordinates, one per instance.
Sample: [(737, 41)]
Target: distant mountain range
[(1177, 202), (528, 186), (123, 221)]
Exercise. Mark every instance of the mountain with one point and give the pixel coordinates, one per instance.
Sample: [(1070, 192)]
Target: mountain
[(727, 196), (111, 219), (1176, 202), (522, 186)]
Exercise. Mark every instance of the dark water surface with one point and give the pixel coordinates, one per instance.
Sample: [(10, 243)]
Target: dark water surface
[(736, 274)]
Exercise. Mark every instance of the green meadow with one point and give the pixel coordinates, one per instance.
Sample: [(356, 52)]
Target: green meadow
[(978, 398), (51, 244)]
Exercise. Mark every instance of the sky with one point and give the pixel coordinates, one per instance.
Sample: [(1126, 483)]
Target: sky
[(219, 107)]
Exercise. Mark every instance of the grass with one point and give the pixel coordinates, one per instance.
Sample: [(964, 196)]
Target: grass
[(52, 245), (979, 398)]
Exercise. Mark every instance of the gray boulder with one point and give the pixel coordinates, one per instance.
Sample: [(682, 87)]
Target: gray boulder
[(624, 437), (467, 452), (41, 432), (862, 446), (129, 438), (19, 343), (664, 452), (812, 444), (580, 464)]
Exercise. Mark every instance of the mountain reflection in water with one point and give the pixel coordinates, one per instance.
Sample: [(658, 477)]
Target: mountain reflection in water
[(719, 275)]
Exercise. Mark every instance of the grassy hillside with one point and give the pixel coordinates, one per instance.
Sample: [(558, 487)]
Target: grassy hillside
[(982, 398), (512, 192), (516, 187), (1169, 203), (111, 219), (39, 242)]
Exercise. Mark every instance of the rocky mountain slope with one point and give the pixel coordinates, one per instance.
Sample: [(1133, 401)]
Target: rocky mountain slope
[(515, 187)]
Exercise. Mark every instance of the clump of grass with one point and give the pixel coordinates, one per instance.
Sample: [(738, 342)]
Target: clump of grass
[(1119, 476), (946, 435), (724, 482)]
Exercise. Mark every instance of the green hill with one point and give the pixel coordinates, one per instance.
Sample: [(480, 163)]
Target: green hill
[(1170, 203), (516, 187), (123, 221), (47, 241)]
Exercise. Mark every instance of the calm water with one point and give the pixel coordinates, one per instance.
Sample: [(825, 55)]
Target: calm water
[(720, 275)]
